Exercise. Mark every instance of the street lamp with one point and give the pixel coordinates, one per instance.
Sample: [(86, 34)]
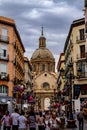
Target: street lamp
[(70, 76)]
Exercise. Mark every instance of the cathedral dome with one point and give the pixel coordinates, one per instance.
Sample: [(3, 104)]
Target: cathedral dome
[(42, 59), (42, 53)]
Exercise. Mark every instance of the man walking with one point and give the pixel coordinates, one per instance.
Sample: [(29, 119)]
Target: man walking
[(80, 118), (14, 117)]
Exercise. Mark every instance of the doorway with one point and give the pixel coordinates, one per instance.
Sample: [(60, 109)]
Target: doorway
[(3, 108)]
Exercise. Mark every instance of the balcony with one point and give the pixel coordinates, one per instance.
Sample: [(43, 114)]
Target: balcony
[(80, 39), (81, 56), (4, 39), (83, 75), (4, 76)]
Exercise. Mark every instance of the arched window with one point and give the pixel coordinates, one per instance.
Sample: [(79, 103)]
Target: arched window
[(46, 85), (3, 90)]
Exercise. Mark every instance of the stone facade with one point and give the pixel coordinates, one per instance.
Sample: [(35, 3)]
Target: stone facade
[(44, 76)]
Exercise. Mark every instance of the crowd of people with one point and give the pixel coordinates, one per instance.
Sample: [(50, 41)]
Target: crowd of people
[(37, 121)]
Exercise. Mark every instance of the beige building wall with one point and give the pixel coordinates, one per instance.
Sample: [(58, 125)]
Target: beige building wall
[(74, 42)]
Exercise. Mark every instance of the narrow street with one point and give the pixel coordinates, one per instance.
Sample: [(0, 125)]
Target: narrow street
[(85, 127)]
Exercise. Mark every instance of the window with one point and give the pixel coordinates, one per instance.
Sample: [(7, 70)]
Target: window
[(4, 34), (34, 67), (3, 68), (82, 67), (43, 67), (3, 51), (48, 66), (3, 89), (46, 85), (83, 70), (82, 51), (82, 35)]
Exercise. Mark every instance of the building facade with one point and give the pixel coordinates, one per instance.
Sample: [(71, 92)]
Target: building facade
[(11, 61), (76, 52), (61, 81), (44, 76)]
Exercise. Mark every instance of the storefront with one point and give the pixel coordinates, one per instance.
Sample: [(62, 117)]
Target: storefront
[(6, 103), (79, 95)]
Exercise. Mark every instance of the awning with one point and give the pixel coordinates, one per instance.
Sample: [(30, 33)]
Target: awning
[(76, 91)]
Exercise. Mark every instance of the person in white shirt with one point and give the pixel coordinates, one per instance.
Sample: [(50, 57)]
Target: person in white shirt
[(54, 122), (22, 121), (14, 117), (6, 121)]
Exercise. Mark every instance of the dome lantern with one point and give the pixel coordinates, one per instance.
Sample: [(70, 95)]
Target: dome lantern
[(42, 40)]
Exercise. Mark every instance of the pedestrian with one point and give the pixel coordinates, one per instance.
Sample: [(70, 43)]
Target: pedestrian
[(68, 114), (47, 118), (14, 117), (41, 122), (22, 121), (80, 117), (6, 119), (74, 115), (32, 120), (54, 122), (0, 119)]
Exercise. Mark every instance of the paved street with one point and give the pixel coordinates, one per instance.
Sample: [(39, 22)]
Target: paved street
[(85, 127)]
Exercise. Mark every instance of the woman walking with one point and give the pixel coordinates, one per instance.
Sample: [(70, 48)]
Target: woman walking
[(7, 121)]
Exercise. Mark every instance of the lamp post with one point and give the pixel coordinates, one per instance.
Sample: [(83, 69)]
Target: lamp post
[(70, 76)]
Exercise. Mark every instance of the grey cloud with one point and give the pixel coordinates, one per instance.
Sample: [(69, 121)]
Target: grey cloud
[(55, 15)]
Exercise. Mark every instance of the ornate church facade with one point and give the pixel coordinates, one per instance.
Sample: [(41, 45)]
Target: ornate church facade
[(44, 76)]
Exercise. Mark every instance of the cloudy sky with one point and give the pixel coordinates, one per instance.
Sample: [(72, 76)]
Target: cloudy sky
[(55, 15)]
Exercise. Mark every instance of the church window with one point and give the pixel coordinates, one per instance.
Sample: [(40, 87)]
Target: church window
[(34, 67), (48, 67), (43, 67), (46, 85)]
